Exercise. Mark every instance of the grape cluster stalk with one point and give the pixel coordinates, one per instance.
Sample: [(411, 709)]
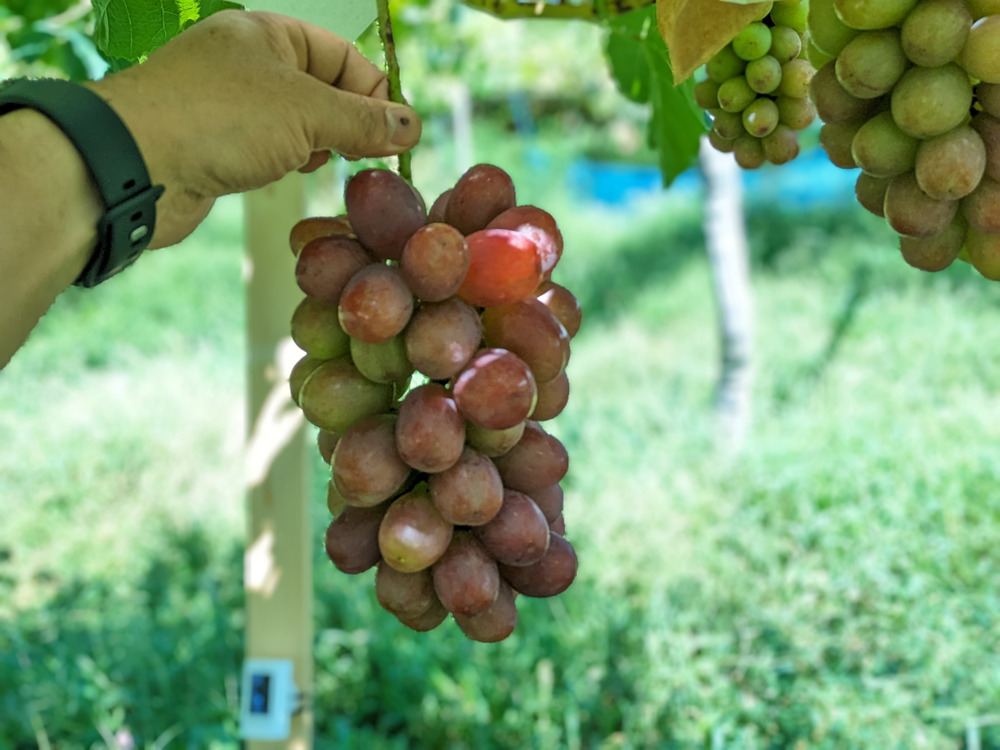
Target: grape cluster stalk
[(910, 94), (435, 347), (756, 88)]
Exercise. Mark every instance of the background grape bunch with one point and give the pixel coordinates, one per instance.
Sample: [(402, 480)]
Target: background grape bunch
[(756, 88), (910, 94), (435, 346)]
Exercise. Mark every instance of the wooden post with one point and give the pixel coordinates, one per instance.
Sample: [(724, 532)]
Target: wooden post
[(278, 564)]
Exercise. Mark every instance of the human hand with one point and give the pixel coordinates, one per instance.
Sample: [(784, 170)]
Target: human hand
[(241, 99)]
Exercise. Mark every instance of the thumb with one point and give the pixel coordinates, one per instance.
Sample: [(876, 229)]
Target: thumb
[(361, 126)]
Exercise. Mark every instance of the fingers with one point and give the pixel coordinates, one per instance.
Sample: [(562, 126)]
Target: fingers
[(355, 125), (332, 59), (352, 116)]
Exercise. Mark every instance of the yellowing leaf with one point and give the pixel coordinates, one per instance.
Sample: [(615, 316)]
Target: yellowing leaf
[(694, 30)]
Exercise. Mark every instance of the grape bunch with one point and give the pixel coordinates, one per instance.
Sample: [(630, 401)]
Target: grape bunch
[(911, 96), (436, 346), (756, 88)]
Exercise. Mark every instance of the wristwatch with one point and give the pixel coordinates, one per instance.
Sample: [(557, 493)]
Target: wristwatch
[(113, 160)]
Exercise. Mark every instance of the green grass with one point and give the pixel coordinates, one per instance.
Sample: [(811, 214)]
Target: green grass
[(834, 586)]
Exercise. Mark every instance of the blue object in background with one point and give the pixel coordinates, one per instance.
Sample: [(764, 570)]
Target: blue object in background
[(808, 181)]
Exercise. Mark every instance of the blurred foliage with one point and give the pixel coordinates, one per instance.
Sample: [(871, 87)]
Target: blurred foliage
[(48, 38)]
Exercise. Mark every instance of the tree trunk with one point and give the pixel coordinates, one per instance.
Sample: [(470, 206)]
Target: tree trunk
[(726, 242)]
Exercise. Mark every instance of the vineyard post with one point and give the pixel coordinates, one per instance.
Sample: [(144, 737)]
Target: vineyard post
[(278, 565)]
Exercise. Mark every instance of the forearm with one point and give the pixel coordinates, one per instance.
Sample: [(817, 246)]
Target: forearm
[(49, 210)]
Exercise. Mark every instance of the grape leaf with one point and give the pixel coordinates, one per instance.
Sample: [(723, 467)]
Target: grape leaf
[(694, 30), (130, 29), (640, 64)]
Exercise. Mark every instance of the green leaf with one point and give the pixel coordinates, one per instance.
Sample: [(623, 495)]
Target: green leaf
[(130, 30), (640, 64)]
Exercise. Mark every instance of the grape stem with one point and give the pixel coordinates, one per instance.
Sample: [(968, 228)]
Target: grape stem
[(392, 71)]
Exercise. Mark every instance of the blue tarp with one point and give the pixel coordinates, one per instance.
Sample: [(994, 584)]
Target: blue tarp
[(809, 180)]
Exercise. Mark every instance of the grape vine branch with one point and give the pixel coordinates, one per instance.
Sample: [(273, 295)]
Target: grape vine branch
[(392, 71)]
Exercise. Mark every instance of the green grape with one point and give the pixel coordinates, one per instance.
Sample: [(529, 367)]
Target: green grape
[(764, 74), (873, 14), (316, 329), (781, 145), (749, 152), (786, 44), (834, 103), (753, 41), (798, 114), (981, 8), (724, 65), (911, 212), (836, 139), (871, 63), (950, 166), (935, 32), (870, 192), (794, 15), (729, 125), (720, 144), (795, 78), (382, 362), (988, 128), (826, 31), (881, 149), (982, 207), (937, 252), (735, 94), (336, 395), (931, 101), (988, 96), (984, 253), (816, 56), (760, 117), (980, 55), (706, 94)]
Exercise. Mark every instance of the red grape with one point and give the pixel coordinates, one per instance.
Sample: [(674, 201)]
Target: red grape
[(495, 390), (482, 193), (434, 261), (538, 460), (412, 534), (326, 264), (442, 337), (318, 226), (383, 210), (553, 396), (530, 330), (466, 578), (430, 432), (494, 623), (537, 224), (563, 304), (376, 304), (504, 267), (404, 594), (549, 576), (352, 538), (518, 534), (366, 466), (468, 493)]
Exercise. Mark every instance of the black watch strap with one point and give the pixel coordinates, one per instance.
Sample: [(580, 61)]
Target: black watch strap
[(113, 159)]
